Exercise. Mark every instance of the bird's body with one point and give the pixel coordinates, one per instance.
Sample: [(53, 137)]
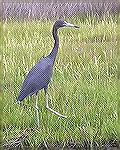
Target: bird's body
[(38, 78), (40, 75)]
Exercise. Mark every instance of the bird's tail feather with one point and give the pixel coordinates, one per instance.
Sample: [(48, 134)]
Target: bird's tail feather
[(20, 98)]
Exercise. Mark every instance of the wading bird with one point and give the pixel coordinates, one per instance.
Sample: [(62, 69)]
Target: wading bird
[(39, 76)]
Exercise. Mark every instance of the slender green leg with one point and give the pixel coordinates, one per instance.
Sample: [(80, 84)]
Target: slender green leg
[(37, 113), (47, 106)]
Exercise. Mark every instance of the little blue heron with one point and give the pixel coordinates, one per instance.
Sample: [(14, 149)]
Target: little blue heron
[(39, 76)]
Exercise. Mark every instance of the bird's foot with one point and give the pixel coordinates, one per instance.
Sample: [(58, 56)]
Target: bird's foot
[(56, 113), (62, 116)]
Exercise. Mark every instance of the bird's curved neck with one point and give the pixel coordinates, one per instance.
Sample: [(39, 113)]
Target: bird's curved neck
[(56, 44)]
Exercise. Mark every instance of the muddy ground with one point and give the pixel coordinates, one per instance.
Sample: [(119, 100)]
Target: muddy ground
[(23, 145)]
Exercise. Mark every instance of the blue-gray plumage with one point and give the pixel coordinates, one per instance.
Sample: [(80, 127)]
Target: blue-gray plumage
[(39, 76)]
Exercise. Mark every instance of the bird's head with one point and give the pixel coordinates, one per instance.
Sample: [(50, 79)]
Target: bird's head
[(61, 23)]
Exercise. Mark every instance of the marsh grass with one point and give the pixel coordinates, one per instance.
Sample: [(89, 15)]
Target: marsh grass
[(83, 86)]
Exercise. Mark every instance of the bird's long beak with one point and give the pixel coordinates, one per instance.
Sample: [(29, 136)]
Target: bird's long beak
[(70, 25)]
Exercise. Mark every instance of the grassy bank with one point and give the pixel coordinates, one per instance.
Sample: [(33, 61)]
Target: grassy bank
[(83, 87)]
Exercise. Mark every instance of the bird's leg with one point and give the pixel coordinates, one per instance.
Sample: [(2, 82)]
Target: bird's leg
[(47, 106), (36, 108)]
